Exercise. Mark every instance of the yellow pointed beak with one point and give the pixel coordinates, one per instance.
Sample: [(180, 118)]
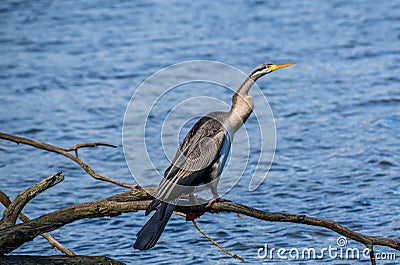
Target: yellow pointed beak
[(279, 66)]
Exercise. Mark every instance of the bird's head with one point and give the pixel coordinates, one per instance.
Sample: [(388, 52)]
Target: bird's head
[(266, 68)]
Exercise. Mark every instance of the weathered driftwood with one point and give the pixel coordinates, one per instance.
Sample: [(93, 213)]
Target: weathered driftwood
[(137, 199), (57, 260), (12, 212), (12, 236), (5, 200)]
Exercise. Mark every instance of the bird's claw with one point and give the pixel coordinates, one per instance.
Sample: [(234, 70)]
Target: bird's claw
[(214, 200)]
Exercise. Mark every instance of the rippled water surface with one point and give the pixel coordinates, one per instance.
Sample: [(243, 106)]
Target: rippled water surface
[(68, 70)]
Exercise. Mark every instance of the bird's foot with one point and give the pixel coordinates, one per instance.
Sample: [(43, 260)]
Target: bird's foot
[(190, 216), (214, 200)]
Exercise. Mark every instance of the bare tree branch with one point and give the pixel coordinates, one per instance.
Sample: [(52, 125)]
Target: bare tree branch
[(371, 254), (12, 236), (5, 200), (302, 219), (138, 199), (75, 147), (216, 243), (62, 151), (12, 212)]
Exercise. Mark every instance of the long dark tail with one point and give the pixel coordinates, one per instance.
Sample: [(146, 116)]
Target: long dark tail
[(148, 236)]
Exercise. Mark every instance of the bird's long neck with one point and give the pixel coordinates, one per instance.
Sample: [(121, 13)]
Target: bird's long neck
[(245, 86), (242, 104)]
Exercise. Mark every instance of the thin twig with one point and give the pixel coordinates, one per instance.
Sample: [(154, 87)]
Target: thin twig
[(371, 253), (14, 209), (75, 147), (216, 243), (209, 238), (179, 214), (58, 150), (240, 216), (5, 200)]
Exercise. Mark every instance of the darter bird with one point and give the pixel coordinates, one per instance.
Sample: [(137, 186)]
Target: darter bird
[(200, 158)]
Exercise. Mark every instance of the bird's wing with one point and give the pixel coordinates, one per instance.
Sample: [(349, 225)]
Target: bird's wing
[(196, 154)]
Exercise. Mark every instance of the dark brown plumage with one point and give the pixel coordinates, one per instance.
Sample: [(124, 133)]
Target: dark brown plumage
[(200, 158)]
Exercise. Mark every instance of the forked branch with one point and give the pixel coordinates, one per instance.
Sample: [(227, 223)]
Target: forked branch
[(5, 200), (138, 199), (12, 236), (12, 212), (75, 147), (65, 152)]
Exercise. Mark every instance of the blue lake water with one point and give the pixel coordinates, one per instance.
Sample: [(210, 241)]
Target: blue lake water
[(68, 70)]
